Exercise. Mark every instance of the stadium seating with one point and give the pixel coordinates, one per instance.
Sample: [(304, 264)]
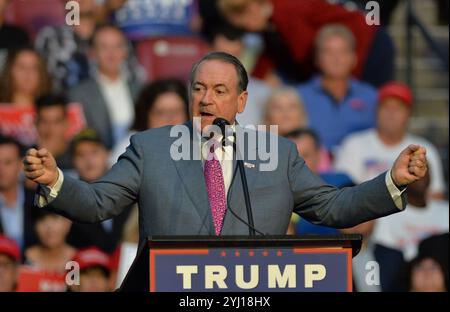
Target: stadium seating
[(170, 56), (32, 15)]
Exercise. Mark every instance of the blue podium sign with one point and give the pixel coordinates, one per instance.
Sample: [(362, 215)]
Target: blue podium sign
[(243, 269)]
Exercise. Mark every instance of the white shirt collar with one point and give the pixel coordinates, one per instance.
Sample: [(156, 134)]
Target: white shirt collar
[(225, 153)]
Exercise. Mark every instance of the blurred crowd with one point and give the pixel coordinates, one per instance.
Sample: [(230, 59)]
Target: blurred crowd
[(317, 70)]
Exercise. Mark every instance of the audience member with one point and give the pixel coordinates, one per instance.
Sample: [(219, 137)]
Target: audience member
[(107, 98), (90, 159), (427, 274), (160, 103), (285, 109), (436, 246), (51, 126), (16, 201), (94, 271), (9, 264), (24, 78), (366, 154), (337, 104), (289, 28), (52, 252), (423, 217), (65, 48)]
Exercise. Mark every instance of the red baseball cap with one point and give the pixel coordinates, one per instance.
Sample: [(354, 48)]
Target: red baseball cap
[(9, 247), (398, 90), (92, 256)]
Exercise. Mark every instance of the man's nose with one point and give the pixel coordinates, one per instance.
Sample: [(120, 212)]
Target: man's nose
[(207, 98)]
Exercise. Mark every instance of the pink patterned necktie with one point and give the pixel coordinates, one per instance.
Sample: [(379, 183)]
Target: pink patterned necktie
[(216, 191)]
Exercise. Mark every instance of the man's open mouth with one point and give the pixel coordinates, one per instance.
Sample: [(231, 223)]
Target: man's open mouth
[(206, 114)]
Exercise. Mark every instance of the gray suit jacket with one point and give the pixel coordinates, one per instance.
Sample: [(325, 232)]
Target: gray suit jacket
[(89, 95), (173, 200)]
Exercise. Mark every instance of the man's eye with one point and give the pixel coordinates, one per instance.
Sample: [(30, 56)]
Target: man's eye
[(220, 91)]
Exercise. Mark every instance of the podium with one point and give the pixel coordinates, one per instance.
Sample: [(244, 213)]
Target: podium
[(243, 264)]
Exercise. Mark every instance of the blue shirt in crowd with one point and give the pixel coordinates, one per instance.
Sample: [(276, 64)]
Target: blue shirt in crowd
[(333, 120), (12, 218)]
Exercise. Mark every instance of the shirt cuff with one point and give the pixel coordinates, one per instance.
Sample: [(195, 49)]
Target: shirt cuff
[(50, 193), (394, 191)]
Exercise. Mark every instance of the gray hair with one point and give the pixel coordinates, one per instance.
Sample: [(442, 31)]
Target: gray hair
[(227, 58), (335, 30)]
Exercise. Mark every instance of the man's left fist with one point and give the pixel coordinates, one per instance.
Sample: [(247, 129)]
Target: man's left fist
[(410, 165)]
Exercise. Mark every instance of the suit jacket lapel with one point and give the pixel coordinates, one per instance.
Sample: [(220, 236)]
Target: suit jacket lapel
[(191, 174)]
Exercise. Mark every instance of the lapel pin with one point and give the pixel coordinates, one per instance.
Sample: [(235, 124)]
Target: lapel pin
[(249, 165)]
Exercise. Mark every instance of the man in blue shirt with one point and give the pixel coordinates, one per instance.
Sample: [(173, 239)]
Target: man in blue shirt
[(336, 103), (16, 202)]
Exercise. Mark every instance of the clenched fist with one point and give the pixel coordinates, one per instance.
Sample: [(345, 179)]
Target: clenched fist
[(40, 167), (410, 165)]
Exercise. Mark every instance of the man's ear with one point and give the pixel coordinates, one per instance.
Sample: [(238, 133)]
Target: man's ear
[(242, 101)]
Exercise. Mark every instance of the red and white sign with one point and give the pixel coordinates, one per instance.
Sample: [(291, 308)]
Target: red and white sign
[(19, 122)]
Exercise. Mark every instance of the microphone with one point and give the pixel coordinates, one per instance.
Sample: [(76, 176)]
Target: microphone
[(222, 124)]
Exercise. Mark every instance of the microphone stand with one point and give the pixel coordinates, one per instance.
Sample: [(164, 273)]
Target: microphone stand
[(222, 123), (248, 205)]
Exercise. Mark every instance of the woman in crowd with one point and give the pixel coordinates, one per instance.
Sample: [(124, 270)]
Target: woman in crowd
[(52, 252), (24, 78), (285, 109), (160, 103)]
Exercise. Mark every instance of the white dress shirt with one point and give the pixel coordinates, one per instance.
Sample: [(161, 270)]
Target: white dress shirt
[(224, 155), (119, 103)]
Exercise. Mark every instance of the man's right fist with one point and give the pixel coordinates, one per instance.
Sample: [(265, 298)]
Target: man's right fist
[(40, 167)]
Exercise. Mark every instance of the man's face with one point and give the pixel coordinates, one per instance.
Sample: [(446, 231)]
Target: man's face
[(10, 166), (90, 160), (335, 57), (8, 273), (51, 126), (393, 116), (309, 151), (215, 92), (110, 50)]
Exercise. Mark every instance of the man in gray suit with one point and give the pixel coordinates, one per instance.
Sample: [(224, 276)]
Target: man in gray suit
[(204, 196), (108, 97)]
